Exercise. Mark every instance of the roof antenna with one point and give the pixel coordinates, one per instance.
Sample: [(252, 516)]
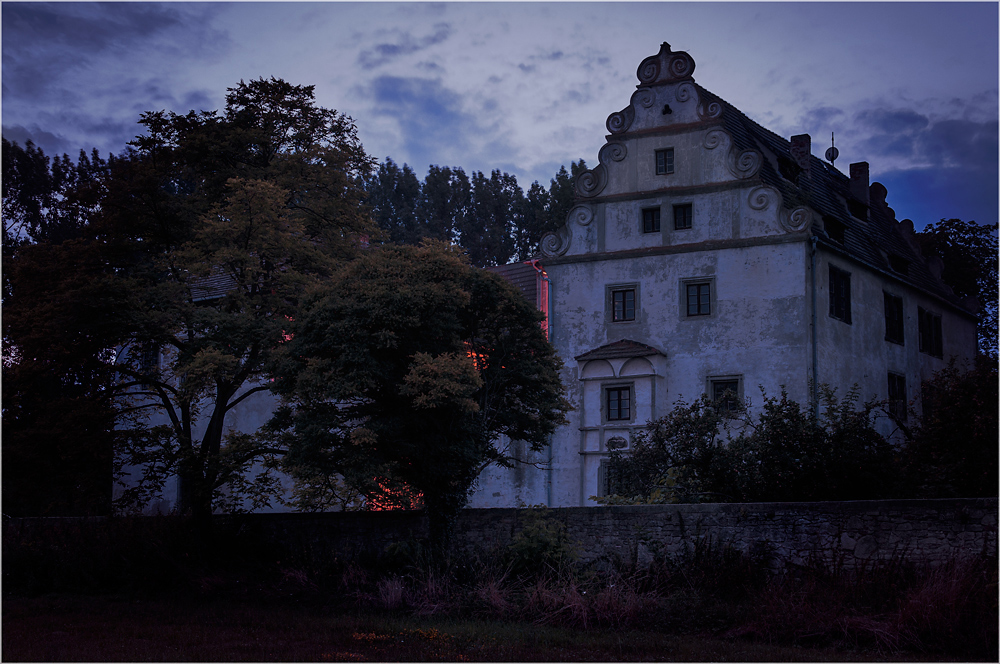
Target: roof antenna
[(832, 152)]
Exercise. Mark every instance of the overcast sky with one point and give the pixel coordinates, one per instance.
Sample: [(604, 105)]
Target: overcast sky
[(909, 87)]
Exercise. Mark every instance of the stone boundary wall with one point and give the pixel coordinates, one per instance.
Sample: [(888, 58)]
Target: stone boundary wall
[(841, 533)]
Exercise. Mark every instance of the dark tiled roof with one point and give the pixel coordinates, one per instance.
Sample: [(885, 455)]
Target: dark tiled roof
[(523, 276), (212, 287), (827, 191), (622, 348)]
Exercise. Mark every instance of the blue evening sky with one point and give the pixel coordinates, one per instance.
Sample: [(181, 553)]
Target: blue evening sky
[(525, 87)]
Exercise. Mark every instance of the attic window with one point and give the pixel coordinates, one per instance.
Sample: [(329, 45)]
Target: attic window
[(898, 264), (789, 169), (834, 229), (857, 209)]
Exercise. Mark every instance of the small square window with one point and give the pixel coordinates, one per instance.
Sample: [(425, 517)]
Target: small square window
[(893, 318), (665, 161), (619, 401), (651, 220), (682, 216), (623, 305), (897, 396), (929, 332), (840, 294), (727, 395), (699, 299)]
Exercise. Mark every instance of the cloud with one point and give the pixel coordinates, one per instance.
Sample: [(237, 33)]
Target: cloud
[(404, 44), (434, 125), (46, 43), (892, 121), (51, 144)]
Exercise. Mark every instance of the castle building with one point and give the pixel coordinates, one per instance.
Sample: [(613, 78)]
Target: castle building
[(707, 255)]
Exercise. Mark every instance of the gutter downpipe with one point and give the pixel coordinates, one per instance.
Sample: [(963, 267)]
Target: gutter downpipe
[(815, 378), (548, 335)]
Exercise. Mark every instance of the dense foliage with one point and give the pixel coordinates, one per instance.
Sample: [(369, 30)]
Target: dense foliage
[(700, 453), (968, 252), (409, 364), (181, 273), (954, 447)]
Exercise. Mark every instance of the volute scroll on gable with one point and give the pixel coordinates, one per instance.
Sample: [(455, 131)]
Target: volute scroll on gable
[(791, 220), (577, 227)]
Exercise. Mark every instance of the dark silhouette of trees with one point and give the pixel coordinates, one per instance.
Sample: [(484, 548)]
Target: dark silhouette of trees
[(192, 258), (490, 217), (969, 253)]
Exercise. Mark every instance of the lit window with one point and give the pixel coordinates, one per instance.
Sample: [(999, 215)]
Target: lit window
[(665, 161), (651, 220), (840, 294), (682, 216), (619, 403)]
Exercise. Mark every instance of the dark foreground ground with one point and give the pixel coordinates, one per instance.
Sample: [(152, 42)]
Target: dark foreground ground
[(158, 590), (61, 628)]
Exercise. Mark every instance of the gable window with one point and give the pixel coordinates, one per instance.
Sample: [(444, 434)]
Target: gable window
[(834, 229), (899, 264), (619, 404), (893, 318), (727, 394), (651, 220), (897, 396), (665, 161), (929, 332), (840, 294), (699, 299), (682, 216), (622, 305)]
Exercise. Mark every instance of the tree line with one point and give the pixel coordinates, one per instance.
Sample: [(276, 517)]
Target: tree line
[(491, 217)]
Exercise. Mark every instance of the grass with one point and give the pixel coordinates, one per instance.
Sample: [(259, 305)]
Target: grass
[(147, 590), (116, 629)]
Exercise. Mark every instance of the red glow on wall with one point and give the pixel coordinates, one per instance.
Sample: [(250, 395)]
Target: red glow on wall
[(394, 495), (542, 288)]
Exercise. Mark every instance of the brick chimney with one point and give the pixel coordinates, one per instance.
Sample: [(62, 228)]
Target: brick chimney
[(859, 181), (802, 151)]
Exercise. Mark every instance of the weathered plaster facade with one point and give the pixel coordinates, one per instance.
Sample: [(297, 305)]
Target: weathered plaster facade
[(707, 252)]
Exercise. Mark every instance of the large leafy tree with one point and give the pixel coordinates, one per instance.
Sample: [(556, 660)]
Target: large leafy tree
[(409, 364), (54, 361), (969, 253), (207, 234)]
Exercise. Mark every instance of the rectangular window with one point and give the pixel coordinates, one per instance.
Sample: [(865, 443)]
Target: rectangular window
[(897, 396), (840, 294), (699, 299), (665, 161), (929, 329), (726, 395), (893, 318), (619, 403), (651, 220), (682, 216), (623, 305)]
